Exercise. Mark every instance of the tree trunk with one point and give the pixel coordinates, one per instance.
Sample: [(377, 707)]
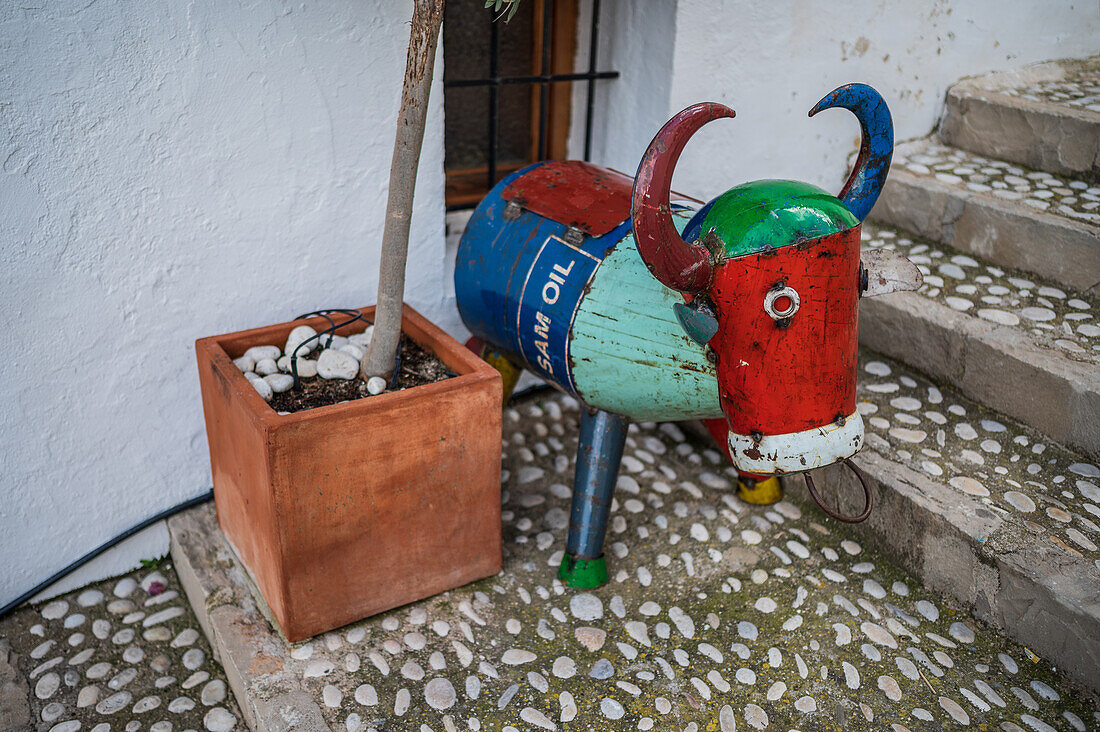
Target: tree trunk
[(426, 21)]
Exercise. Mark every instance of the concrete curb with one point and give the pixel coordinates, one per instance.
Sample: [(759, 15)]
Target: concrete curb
[(1039, 594), (1045, 136), (999, 366), (15, 692), (271, 698), (1000, 232)]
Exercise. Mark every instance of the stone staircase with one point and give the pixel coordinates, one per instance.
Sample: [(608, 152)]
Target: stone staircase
[(981, 391)]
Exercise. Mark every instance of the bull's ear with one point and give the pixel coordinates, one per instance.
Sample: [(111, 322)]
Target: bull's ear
[(883, 271), (697, 320)]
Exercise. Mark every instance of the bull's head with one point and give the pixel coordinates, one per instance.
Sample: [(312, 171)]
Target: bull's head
[(771, 274)]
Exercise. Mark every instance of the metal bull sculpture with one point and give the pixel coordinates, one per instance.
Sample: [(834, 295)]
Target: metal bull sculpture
[(643, 309)]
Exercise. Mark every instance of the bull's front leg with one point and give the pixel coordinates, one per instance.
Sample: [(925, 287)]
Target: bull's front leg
[(599, 453)]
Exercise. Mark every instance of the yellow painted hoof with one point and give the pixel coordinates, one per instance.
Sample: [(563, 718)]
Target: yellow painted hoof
[(509, 372), (762, 492)]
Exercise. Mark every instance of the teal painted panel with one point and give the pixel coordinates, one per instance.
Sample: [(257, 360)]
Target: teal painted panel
[(629, 354)]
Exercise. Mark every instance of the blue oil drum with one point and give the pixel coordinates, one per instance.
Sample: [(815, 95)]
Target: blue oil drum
[(548, 273)]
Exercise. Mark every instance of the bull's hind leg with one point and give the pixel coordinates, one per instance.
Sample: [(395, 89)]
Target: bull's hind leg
[(598, 455)]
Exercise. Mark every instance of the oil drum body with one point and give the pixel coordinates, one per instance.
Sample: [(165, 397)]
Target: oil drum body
[(547, 272)]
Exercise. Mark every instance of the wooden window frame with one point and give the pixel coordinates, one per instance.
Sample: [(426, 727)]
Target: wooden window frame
[(551, 88)]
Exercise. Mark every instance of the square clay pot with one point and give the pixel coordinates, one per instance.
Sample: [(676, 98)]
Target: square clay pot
[(345, 511)]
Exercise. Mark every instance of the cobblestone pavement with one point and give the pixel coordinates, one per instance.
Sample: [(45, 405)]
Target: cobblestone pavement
[(1080, 88), (1052, 316), (1073, 199), (719, 615), (125, 654)]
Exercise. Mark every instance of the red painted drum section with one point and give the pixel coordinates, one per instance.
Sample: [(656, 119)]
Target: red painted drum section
[(776, 378), (574, 193)]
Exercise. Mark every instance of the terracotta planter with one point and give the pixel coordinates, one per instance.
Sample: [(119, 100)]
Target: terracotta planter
[(345, 511)]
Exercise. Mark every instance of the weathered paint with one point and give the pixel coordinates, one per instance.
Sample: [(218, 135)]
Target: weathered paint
[(582, 574), (578, 194), (876, 146), (685, 266), (760, 492), (785, 376), (771, 275), (885, 271), (630, 354), (599, 452), (795, 452), (769, 214), (519, 280)]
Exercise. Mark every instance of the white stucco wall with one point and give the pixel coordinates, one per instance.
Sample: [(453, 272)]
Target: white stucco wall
[(771, 62), (171, 171), (177, 170), (637, 40)]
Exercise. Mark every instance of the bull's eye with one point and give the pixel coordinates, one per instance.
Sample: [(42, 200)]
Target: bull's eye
[(781, 303)]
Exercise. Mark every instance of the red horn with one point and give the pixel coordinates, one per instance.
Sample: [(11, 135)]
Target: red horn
[(683, 266)]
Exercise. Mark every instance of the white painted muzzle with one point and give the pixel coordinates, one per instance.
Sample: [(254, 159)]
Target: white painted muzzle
[(794, 452)]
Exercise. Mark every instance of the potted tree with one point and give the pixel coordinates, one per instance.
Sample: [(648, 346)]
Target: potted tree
[(343, 511)]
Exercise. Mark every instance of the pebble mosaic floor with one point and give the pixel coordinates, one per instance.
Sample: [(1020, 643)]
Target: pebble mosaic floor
[(1073, 199), (719, 615), (1080, 89), (122, 655), (1054, 317), (1053, 494)]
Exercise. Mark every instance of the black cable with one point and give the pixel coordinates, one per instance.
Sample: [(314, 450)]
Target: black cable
[(330, 331), (167, 513)]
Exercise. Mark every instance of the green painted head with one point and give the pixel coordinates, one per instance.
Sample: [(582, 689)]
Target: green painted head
[(769, 214)]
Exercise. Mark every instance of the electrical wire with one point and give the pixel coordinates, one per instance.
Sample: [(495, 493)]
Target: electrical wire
[(62, 573)]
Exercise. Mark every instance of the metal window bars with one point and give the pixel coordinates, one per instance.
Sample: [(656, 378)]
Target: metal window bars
[(494, 81)]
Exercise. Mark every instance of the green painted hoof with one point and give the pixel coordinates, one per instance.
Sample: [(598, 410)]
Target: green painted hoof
[(583, 574)]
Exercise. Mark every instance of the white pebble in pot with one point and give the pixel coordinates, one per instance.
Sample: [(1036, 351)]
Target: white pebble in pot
[(376, 385), (279, 382), (362, 339), (298, 336), (333, 364), (244, 363), (266, 366), (354, 350), (306, 368), (337, 341), (259, 353), (263, 388)]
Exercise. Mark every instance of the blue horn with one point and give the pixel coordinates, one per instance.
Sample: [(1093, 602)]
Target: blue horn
[(876, 147)]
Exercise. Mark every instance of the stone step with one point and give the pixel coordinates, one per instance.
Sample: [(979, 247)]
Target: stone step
[(1008, 340), (719, 616), (1045, 117), (982, 509), (1007, 215)]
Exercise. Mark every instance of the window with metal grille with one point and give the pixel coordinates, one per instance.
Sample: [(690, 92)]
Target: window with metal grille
[(507, 90)]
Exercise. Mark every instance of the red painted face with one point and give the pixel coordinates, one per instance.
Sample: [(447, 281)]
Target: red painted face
[(786, 341)]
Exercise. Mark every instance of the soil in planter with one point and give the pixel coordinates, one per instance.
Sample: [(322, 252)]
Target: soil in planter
[(418, 367)]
